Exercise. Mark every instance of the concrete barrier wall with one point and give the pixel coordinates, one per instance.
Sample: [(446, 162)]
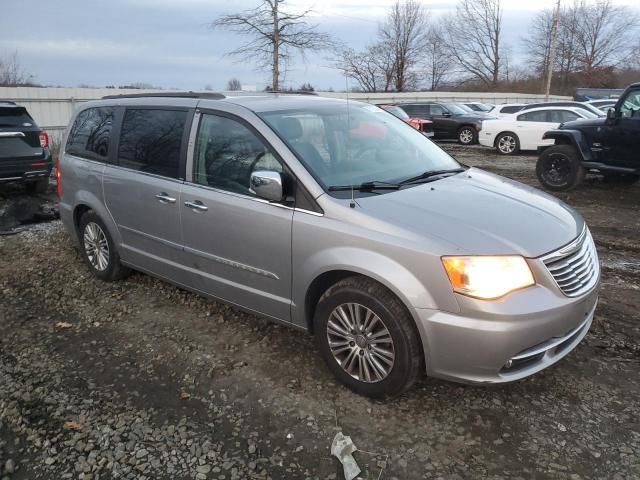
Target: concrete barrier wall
[(53, 107)]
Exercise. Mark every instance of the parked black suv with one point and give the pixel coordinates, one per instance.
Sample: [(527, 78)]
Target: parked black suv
[(24, 148), (610, 146), (450, 121)]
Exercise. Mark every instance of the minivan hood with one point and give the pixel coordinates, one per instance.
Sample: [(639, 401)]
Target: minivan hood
[(476, 212)]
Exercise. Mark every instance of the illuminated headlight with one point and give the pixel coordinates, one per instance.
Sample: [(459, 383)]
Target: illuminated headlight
[(488, 277)]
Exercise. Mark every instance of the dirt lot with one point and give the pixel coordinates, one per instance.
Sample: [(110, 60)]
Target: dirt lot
[(139, 379)]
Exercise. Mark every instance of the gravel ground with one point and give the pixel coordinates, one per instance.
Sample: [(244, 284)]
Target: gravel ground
[(141, 380)]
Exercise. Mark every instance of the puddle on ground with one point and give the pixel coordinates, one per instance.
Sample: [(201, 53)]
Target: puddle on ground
[(19, 208)]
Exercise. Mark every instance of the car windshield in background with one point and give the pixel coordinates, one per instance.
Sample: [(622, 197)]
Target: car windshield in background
[(588, 114), (398, 112), (15, 117), (352, 144), (456, 109)]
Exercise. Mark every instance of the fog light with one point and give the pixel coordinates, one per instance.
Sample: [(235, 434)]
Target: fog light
[(508, 364)]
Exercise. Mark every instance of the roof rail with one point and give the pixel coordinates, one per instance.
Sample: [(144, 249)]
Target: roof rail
[(204, 95), (290, 92), (8, 102)]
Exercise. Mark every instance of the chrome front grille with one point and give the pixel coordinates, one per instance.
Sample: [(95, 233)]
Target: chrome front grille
[(575, 267)]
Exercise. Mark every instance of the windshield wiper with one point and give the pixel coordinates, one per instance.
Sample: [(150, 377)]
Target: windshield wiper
[(429, 174), (373, 185)]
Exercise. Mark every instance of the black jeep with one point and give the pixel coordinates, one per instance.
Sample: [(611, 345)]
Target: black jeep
[(24, 148), (609, 146)]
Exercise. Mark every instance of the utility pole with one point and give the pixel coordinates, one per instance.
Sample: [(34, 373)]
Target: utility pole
[(275, 77), (552, 50)]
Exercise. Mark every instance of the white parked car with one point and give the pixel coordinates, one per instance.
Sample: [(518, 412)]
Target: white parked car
[(524, 131)]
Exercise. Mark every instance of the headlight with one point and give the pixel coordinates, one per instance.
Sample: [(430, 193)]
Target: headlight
[(488, 277)]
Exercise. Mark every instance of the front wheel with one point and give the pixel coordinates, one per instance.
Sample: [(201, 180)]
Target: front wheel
[(467, 136), (367, 338), (559, 168)]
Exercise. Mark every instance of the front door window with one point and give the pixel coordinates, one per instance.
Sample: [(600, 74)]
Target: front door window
[(226, 154)]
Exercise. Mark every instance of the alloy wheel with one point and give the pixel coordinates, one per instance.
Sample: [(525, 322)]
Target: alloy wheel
[(507, 144), (96, 246), (360, 342), (466, 136)]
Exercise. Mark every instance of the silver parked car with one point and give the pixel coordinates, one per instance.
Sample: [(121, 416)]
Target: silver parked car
[(336, 218)]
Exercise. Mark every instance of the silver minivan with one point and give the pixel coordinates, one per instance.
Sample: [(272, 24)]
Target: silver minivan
[(336, 218)]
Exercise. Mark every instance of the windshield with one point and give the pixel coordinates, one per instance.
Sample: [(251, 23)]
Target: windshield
[(588, 114), (466, 108), (482, 107), (352, 143), (456, 109), (397, 111)]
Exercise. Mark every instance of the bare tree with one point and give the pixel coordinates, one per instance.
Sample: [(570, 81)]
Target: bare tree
[(11, 72), (605, 35), (404, 32), (372, 69), (234, 85), (437, 60), (592, 39), (474, 34), (273, 36)]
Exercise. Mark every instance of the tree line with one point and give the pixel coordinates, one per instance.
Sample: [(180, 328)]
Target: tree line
[(598, 45)]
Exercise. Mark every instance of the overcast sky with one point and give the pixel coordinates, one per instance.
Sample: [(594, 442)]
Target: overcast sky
[(168, 42)]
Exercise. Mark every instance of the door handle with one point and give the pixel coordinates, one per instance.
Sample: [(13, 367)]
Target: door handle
[(197, 205), (165, 198)]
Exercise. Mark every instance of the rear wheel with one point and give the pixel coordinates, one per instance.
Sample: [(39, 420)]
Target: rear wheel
[(508, 143), (367, 338), (467, 136), (559, 168), (99, 250)]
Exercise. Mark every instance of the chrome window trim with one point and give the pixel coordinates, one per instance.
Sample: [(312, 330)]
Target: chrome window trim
[(253, 199), (12, 134), (147, 174), (191, 146)]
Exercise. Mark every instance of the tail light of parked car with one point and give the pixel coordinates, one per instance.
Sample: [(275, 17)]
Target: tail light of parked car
[(44, 139), (58, 180)]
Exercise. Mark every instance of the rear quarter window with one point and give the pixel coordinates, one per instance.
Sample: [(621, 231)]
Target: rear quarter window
[(90, 134), (511, 109)]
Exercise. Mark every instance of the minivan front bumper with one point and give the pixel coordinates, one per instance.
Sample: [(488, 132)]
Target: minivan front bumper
[(508, 343)]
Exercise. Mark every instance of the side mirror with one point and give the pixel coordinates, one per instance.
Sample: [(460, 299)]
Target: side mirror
[(611, 114), (266, 184)]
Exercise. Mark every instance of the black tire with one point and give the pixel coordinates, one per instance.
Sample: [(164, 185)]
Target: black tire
[(408, 362), (508, 143), (559, 168), (113, 270), (616, 178), (39, 186), (467, 135)]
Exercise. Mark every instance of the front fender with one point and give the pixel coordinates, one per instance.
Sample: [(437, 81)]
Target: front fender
[(393, 275), (570, 137)]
